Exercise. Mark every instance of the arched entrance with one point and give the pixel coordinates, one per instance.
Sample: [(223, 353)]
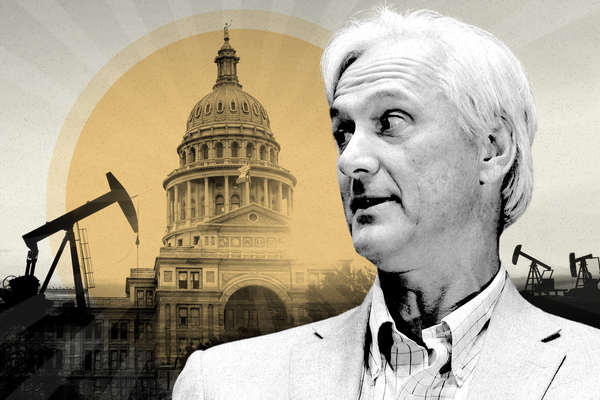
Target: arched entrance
[(252, 311)]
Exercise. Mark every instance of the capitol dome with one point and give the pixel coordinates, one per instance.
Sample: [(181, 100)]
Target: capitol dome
[(228, 104)]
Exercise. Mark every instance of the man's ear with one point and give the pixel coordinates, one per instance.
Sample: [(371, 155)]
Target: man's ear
[(497, 153)]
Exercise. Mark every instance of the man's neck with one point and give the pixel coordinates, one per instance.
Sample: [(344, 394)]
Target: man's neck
[(417, 300)]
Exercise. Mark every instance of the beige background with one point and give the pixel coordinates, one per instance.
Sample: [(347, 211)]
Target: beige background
[(62, 62)]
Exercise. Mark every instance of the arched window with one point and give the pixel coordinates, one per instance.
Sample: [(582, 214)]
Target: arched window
[(202, 207), (182, 160), (183, 208), (263, 153), (219, 148), (204, 151), (193, 155), (234, 149), (235, 202), (219, 205), (250, 151), (193, 208), (273, 157)]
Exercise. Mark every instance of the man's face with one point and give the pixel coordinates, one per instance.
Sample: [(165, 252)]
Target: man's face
[(408, 175)]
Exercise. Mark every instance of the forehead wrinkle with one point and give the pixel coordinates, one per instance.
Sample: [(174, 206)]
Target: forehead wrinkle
[(415, 72)]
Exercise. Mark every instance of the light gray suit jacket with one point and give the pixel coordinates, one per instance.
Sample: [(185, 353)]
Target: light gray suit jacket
[(528, 354)]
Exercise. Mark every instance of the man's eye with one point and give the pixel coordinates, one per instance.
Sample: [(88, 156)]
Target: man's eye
[(391, 121), (342, 135)]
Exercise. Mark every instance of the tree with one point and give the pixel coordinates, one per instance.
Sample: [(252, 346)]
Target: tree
[(340, 290)]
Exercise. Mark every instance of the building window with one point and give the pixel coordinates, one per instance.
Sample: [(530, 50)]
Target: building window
[(149, 331), (114, 332), (193, 208), (87, 363), (272, 157), (168, 276), (193, 155), (234, 150), (195, 280), (249, 150), (59, 331), (196, 240), (210, 276), (183, 316), (202, 207), (300, 277), (98, 330), (204, 151), (212, 240), (140, 297), (139, 334), (195, 316), (149, 298), (219, 205), (313, 279), (97, 360), (246, 318), (263, 153), (219, 148), (182, 162), (206, 240), (123, 360), (114, 360), (123, 330), (180, 242), (235, 202), (182, 280)]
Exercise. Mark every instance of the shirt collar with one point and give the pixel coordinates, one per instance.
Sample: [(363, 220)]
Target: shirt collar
[(465, 324)]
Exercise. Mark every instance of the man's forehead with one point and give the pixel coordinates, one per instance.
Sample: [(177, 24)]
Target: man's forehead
[(412, 63)]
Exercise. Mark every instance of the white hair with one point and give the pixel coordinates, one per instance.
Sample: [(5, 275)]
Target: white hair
[(479, 74)]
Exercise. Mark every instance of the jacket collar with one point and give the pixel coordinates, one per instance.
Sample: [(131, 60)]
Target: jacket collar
[(518, 359)]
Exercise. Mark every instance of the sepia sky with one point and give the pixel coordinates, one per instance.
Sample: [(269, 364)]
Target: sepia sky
[(92, 87)]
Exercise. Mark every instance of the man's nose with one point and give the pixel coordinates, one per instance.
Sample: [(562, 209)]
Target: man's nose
[(359, 160)]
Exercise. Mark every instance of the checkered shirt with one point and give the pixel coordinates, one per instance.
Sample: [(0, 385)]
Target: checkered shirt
[(442, 369)]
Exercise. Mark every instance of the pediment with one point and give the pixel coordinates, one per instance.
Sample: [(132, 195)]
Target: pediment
[(250, 215)]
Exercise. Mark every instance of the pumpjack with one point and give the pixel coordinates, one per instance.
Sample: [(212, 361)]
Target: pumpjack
[(586, 285), (536, 282), (24, 287)]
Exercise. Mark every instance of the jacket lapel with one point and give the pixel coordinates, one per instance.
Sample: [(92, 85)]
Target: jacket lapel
[(330, 364), (518, 360)]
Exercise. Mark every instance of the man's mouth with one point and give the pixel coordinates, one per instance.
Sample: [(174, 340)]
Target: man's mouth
[(364, 202)]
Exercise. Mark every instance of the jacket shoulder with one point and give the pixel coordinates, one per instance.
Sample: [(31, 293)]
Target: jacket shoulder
[(259, 366)]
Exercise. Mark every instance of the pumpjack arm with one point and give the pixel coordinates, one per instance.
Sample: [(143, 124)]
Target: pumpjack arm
[(117, 194)]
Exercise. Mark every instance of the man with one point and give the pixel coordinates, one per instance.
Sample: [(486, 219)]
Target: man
[(433, 120)]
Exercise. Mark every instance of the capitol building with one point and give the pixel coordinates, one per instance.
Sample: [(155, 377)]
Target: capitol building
[(223, 272)]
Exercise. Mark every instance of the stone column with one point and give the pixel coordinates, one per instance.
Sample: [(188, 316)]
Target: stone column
[(188, 200), (168, 207), (247, 193), (266, 193), (279, 196), (227, 200), (206, 202), (176, 206), (289, 200)]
